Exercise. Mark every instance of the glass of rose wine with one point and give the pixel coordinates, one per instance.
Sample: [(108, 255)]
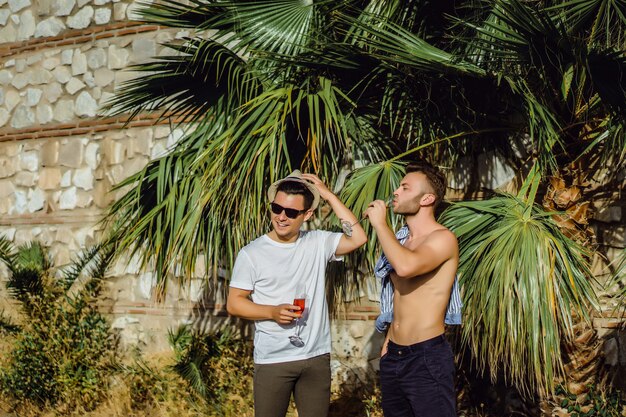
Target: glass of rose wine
[(299, 300)]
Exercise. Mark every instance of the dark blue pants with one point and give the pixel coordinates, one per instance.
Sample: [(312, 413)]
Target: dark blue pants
[(418, 380)]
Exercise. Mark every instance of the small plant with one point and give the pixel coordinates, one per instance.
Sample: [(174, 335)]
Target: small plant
[(60, 355), (217, 367), (597, 402)]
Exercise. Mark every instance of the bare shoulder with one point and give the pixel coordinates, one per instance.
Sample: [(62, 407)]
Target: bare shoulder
[(443, 235), (443, 239)]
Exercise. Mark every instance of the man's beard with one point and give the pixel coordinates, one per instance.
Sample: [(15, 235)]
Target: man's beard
[(411, 210)]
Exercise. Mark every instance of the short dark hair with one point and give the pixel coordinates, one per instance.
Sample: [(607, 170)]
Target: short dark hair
[(296, 187), (435, 178)]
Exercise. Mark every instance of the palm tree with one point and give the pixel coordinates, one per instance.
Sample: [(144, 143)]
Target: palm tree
[(362, 86)]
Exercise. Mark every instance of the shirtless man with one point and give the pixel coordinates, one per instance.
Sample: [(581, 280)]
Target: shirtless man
[(417, 364)]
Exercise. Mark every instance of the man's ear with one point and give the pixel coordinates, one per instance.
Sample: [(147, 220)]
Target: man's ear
[(308, 215), (428, 199)]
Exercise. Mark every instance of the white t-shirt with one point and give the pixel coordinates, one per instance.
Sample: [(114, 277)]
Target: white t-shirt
[(271, 270)]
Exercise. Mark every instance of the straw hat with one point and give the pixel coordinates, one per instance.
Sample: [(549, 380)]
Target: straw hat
[(295, 176)]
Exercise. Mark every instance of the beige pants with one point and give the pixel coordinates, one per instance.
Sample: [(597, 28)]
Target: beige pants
[(308, 380)]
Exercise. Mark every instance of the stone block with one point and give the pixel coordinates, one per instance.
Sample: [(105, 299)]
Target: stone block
[(82, 19), (101, 194), (68, 199), (44, 113), (33, 59), (135, 165), (67, 56), (174, 137), (33, 95), (64, 110), (66, 179), (83, 199), (64, 235), (27, 26), (9, 233), (39, 76), (83, 178), (117, 57), (6, 77), (29, 161), (11, 148), (20, 203), (20, 81), (86, 105), (71, 153), (60, 255), (49, 178), (102, 16), (6, 188), (96, 58), (11, 99), (62, 74), (49, 27), (26, 179), (145, 283), (119, 11), (52, 92), (49, 153), (142, 143), (103, 77), (79, 63), (74, 85), (23, 117), (22, 236), (7, 167), (114, 151), (8, 34), (36, 200), (17, 5), (4, 16), (63, 7), (115, 175), (5, 205), (143, 49), (4, 117), (89, 79), (92, 155)]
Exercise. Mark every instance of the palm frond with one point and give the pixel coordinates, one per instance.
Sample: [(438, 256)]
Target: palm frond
[(7, 252), (601, 22), (204, 79), (394, 45), (191, 14), (30, 268), (522, 280), (618, 279)]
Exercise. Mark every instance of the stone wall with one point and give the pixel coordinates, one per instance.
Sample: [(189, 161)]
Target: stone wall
[(60, 60)]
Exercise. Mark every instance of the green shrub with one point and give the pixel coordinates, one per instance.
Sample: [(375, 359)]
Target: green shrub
[(62, 354), (218, 367), (595, 403)]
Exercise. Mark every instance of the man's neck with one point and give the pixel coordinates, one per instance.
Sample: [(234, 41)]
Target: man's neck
[(421, 223), (272, 235)]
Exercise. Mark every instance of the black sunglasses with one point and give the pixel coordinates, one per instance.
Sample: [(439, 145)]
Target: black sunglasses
[(289, 212)]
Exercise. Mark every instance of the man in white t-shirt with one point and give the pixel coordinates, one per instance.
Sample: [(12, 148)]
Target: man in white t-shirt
[(291, 356)]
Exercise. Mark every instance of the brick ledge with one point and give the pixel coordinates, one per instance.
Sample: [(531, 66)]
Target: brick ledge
[(76, 37), (84, 127)]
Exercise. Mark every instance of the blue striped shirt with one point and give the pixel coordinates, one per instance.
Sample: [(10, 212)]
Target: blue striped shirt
[(382, 271)]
